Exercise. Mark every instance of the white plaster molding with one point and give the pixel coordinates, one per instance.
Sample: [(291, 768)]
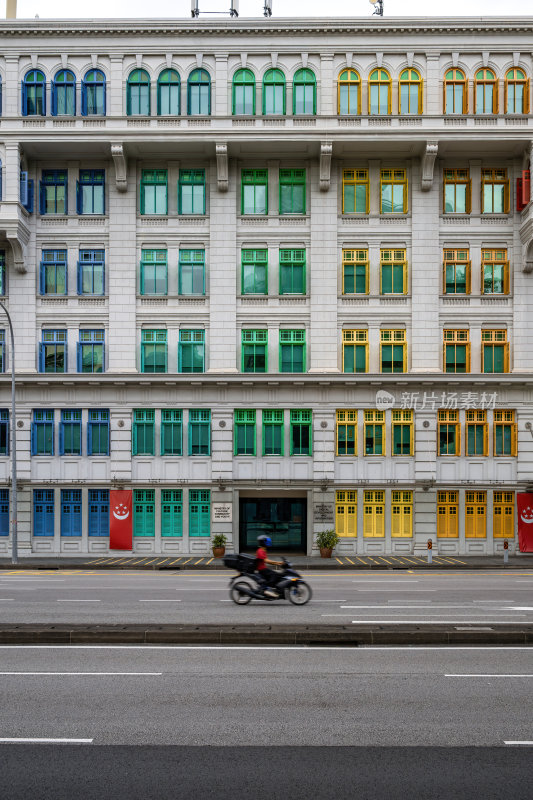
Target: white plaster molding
[(168, 59), (94, 60), (326, 151), (349, 60), (34, 59), (139, 60), (485, 56), (244, 59), (304, 60), (199, 60), (64, 60), (121, 166), (455, 59), (516, 59), (410, 59), (221, 149), (428, 164), (379, 59), (274, 60)]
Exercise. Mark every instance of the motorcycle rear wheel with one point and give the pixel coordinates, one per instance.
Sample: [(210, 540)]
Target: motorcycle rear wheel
[(238, 596), (300, 593)]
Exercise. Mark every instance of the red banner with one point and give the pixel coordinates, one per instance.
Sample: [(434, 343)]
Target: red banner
[(120, 520), (524, 502)]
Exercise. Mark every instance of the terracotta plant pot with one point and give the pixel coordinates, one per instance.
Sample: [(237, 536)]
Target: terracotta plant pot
[(218, 552), (325, 552)]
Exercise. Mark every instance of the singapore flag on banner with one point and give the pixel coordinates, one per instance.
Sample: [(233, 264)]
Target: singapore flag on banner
[(120, 522), (524, 502)]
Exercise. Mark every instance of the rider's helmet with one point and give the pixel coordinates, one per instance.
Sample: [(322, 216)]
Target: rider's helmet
[(264, 541)]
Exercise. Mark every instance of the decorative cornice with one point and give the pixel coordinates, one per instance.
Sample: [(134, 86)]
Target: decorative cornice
[(258, 27)]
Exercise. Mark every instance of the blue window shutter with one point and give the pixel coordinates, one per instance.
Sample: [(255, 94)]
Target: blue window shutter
[(79, 203), (78, 348), (83, 99), (79, 273), (24, 188), (41, 357), (105, 97), (29, 207), (41, 276), (66, 196), (89, 443), (103, 207), (75, 98), (107, 435), (76, 522), (23, 96), (42, 198), (33, 438), (66, 347), (44, 99), (54, 98), (61, 440)]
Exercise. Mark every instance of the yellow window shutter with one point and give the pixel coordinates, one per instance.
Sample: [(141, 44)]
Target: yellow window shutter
[(469, 197), (421, 97), (496, 97), (527, 90), (468, 277)]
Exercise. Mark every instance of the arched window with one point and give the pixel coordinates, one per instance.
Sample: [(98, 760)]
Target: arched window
[(410, 92), (455, 92), (379, 92), (243, 92), (304, 92), (199, 93), (349, 92), (274, 92), (64, 94), (138, 93), (486, 92), (93, 93), (168, 93), (34, 94), (516, 92)]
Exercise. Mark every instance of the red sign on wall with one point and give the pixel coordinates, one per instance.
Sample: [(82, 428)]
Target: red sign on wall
[(524, 502), (120, 520)]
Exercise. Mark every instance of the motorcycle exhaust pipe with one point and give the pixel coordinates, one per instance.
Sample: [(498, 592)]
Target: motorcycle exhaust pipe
[(249, 592)]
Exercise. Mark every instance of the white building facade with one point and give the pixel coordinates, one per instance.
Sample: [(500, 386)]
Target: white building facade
[(272, 276)]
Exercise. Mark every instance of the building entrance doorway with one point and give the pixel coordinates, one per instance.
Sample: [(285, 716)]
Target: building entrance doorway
[(284, 520)]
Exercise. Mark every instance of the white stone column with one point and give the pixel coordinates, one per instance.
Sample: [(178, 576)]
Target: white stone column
[(12, 88), (220, 100), (425, 277), (433, 85), (120, 433), (223, 266), (322, 279), (122, 272), (115, 88)]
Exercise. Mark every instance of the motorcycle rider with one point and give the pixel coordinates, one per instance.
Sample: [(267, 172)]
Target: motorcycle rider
[(269, 575)]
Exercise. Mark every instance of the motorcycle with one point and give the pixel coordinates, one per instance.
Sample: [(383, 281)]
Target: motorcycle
[(290, 585)]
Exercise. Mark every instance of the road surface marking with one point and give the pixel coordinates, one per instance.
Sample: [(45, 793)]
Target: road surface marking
[(355, 651), (518, 608), (45, 741), (74, 674), (159, 601), (338, 559), (484, 675), (186, 562), (425, 621), (78, 601), (518, 742), (350, 560), (6, 599), (209, 561)]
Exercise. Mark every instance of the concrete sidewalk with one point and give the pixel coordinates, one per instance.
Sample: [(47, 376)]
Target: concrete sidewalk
[(187, 562), (360, 634)]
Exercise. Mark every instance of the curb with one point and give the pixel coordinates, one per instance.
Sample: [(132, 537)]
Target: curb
[(318, 566), (252, 635)]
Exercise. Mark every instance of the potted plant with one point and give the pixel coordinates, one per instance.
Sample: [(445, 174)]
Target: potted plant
[(218, 545), (326, 541)]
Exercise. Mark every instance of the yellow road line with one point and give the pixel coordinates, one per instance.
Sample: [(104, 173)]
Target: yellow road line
[(176, 561), (385, 560), (164, 561), (338, 559), (209, 561), (186, 562), (198, 562), (362, 561), (458, 561), (150, 562), (350, 560)]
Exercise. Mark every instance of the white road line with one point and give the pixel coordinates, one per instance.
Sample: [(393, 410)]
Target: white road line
[(485, 675), (518, 742), (426, 621), (84, 674), (519, 608), (386, 580), (160, 601), (6, 599), (367, 648), (401, 590), (19, 740), (78, 601)]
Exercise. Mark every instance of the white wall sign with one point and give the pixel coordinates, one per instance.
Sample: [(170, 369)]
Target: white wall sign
[(222, 512)]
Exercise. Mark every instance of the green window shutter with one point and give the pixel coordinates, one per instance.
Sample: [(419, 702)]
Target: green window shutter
[(292, 191), (292, 271), (254, 264), (273, 432), (292, 350), (300, 433), (254, 191), (498, 358), (171, 512), (199, 513), (153, 350), (254, 350), (143, 439), (171, 433), (144, 512), (244, 433), (192, 272), (199, 432), (386, 279)]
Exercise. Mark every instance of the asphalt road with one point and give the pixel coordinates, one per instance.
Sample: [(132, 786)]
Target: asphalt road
[(339, 597), (158, 722)]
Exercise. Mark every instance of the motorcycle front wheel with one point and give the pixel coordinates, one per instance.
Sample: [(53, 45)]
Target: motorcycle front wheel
[(238, 596), (300, 593)]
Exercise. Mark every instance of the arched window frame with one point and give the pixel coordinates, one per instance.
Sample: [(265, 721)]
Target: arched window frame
[(242, 79), (70, 96), (34, 83), (199, 78), (274, 78), (140, 79), (454, 78), (513, 80), (379, 78), (89, 87), (484, 79), (348, 80), (173, 95), (302, 79), (411, 77)]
